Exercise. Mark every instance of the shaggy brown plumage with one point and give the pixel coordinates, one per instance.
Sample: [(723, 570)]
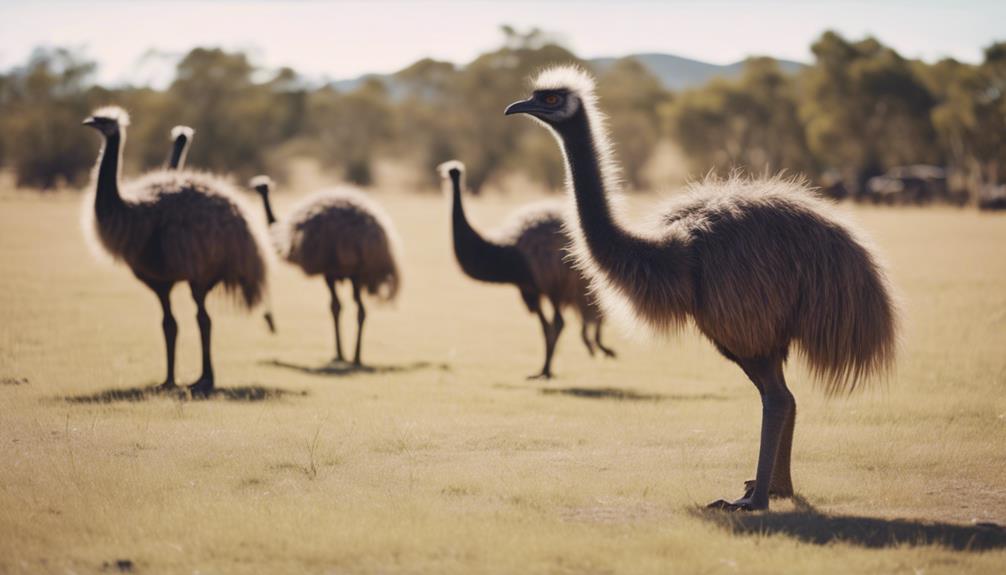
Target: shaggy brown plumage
[(757, 265), (340, 234), (531, 251), (174, 226)]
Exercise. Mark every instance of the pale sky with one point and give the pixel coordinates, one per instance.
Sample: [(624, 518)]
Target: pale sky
[(346, 39)]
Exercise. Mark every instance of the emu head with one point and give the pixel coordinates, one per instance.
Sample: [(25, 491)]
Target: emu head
[(558, 94), (261, 184), (184, 133), (108, 120), (452, 169)]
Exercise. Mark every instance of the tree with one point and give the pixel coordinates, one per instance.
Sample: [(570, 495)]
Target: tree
[(633, 97), (865, 109)]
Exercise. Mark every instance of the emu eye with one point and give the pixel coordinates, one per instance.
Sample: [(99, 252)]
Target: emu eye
[(552, 99)]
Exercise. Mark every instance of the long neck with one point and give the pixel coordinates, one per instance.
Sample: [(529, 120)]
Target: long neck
[(653, 273), (270, 218), (605, 238), (178, 153), (107, 200), (479, 258)]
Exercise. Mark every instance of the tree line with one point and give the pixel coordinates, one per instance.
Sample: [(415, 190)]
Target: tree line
[(858, 110)]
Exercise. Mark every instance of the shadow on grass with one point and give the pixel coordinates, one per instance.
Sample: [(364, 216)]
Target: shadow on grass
[(620, 394), (339, 369), (809, 525), (248, 393)]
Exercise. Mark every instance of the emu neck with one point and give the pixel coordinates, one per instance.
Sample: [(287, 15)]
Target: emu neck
[(608, 242), (107, 200), (481, 259), (270, 218), (179, 152)]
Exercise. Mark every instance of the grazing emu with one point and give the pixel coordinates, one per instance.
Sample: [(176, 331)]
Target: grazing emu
[(172, 227), (340, 234), (181, 136), (756, 265), (531, 255)]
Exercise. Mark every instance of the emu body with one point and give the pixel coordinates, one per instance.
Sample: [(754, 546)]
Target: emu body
[(530, 253), (757, 265), (171, 227), (340, 235)]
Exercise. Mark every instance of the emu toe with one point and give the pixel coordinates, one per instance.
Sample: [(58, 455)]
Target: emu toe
[(201, 388), (546, 375), (742, 504)]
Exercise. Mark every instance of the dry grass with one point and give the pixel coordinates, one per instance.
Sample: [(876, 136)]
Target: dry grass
[(444, 459)]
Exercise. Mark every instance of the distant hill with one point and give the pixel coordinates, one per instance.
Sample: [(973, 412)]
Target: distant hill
[(675, 72), (679, 73)]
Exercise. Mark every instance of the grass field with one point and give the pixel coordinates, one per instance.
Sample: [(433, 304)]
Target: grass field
[(444, 459)]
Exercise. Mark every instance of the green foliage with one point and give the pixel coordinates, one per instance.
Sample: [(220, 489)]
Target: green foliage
[(865, 109), (751, 123)]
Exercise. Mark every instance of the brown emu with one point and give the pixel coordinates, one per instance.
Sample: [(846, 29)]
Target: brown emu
[(175, 226), (757, 265), (181, 138), (339, 234), (531, 254)]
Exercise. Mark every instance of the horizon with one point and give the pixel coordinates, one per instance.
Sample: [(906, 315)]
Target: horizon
[(308, 36)]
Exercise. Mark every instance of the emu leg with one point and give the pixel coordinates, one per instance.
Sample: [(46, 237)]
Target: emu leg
[(782, 481), (586, 338), (546, 328), (203, 385), (170, 327), (608, 352), (336, 308), (778, 406), (361, 315)]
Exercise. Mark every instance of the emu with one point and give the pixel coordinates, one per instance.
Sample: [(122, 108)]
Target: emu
[(341, 235), (171, 227), (756, 265), (181, 138), (532, 256)]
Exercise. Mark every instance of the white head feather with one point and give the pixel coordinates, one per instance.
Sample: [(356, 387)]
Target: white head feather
[(445, 168), (182, 131), (260, 180), (115, 113)]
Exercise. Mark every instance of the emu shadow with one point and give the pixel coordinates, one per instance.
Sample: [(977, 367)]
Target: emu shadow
[(809, 525), (619, 394), (242, 393), (340, 369)]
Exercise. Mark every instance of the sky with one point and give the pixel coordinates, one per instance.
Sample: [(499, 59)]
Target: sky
[(335, 40)]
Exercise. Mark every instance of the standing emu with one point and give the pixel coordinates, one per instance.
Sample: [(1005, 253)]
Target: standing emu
[(341, 235), (756, 265), (172, 227), (532, 255), (181, 138)]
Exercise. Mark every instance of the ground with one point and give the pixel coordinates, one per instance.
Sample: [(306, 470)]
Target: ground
[(442, 458)]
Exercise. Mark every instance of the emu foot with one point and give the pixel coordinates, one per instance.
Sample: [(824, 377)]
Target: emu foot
[(774, 491), (202, 387), (545, 375), (168, 385), (742, 504), (609, 352)]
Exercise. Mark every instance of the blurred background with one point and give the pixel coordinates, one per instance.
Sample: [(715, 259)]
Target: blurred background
[(889, 102)]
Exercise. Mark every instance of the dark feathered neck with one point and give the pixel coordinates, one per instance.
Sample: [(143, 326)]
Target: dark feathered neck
[(479, 258), (178, 152), (107, 199), (270, 218), (607, 240)]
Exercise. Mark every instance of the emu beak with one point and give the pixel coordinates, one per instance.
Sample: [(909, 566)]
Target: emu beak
[(528, 106), (88, 121)]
